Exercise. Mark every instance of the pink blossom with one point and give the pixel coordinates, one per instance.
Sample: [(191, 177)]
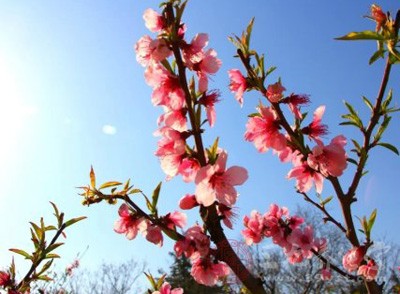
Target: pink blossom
[(316, 129), (353, 257), (207, 272), (188, 169), (294, 101), (274, 92), (196, 244), (193, 52), (326, 274), (320, 244), (156, 74), (188, 202), (175, 119), (209, 64), (166, 289), (148, 49), (171, 142), (153, 20), (153, 234), (254, 228), (169, 93), (369, 271), (303, 239), (305, 176), (170, 164), (227, 214), (166, 87), (208, 101), (294, 254), (238, 84), (329, 160), (175, 219), (216, 183), (263, 131), (128, 224)]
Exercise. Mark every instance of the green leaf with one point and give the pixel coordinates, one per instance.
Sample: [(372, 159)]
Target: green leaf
[(382, 128), (161, 281), (326, 201), (378, 54), (249, 29), (52, 255), (351, 160), (390, 147), (45, 267), (110, 184), (371, 220), (368, 103), (156, 194), (135, 191), (38, 230), (21, 252), (53, 247), (365, 35), (56, 212), (44, 278), (74, 220), (387, 101), (50, 228), (151, 280)]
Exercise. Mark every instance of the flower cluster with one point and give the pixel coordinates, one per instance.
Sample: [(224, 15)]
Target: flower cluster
[(130, 223), (298, 242), (354, 260), (196, 246), (265, 130)]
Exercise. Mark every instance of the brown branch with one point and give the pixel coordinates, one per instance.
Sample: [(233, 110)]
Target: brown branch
[(329, 217), (209, 214)]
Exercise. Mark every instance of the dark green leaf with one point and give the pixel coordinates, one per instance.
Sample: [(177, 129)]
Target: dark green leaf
[(390, 147), (378, 54), (156, 194), (351, 160)]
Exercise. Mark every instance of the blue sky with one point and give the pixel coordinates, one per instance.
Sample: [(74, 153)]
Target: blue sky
[(68, 70)]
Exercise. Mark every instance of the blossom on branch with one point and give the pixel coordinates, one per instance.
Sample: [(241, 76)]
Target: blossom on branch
[(263, 130), (207, 272), (238, 84), (129, 223), (216, 183), (330, 160)]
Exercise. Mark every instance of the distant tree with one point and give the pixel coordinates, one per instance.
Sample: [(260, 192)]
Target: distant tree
[(109, 278), (281, 277)]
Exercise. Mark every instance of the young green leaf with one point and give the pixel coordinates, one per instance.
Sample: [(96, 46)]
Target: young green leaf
[(21, 252), (156, 194), (110, 184), (74, 220), (365, 35)]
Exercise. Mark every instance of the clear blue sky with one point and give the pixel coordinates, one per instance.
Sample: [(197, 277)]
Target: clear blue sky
[(67, 69)]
